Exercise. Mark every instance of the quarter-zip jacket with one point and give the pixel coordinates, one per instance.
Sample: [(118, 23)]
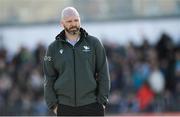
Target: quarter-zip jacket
[(76, 75)]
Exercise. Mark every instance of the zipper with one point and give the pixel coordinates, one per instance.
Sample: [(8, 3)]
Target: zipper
[(74, 61), (75, 102)]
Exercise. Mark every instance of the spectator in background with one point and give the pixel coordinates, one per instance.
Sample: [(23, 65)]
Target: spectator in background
[(165, 50)]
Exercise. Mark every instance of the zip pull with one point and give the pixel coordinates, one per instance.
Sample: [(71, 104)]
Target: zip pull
[(74, 47)]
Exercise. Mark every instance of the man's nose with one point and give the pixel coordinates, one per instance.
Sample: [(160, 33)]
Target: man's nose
[(74, 24)]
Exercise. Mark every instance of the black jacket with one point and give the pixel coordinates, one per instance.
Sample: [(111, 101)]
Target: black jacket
[(76, 75)]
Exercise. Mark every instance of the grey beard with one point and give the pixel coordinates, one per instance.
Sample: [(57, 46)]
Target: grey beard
[(74, 32)]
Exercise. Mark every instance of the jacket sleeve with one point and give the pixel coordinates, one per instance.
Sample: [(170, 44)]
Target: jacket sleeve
[(50, 77), (102, 74)]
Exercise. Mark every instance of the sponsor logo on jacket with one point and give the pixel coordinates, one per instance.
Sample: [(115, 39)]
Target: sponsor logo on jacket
[(86, 49)]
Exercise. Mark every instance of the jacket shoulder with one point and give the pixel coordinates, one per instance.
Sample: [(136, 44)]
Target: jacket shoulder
[(93, 39), (52, 44), (52, 47)]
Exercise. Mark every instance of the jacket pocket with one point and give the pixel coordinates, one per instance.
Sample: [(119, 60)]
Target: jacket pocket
[(63, 85)]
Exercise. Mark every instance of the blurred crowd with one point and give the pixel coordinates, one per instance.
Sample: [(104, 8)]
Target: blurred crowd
[(144, 78), (21, 82)]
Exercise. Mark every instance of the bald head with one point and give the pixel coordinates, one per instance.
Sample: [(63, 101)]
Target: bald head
[(69, 12), (70, 20)]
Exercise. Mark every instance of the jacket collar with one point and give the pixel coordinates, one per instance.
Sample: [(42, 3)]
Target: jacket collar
[(61, 35)]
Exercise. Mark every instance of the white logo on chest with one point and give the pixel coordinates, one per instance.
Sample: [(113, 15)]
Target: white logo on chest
[(86, 49), (61, 51)]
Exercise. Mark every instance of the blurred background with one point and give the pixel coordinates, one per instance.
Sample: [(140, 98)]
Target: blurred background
[(142, 42)]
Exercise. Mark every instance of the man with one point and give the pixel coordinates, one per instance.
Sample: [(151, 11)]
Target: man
[(76, 72)]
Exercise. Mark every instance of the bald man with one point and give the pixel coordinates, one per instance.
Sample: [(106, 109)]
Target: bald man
[(76, 70)]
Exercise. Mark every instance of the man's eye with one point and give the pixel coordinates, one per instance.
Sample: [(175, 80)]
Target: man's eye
[(76, 20)]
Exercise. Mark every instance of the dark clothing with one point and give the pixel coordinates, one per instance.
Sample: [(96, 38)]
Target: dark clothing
[(76, 75), (94, 109)]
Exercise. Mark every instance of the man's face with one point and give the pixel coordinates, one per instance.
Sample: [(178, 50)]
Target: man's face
[(71, 24)]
